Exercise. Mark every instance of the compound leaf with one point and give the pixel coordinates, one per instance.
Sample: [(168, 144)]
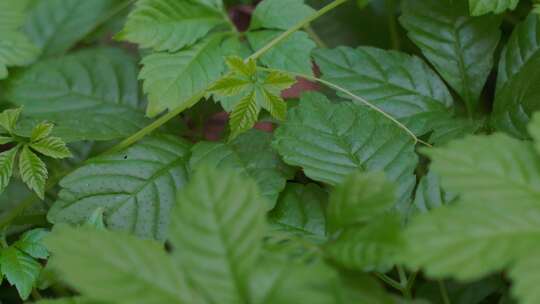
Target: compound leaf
[(7, 161), (135, 187), (33, 171), (20, 270)]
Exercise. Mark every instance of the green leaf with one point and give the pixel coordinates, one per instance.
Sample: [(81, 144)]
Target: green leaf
[(15, 48), (301, 211), (9, 119), (278, 281), (237, 65), (130, 270), (359, 198), (292, 54), (6, 140), (41, 131), (471, 239), (229, 86), (75, 300), (249, 154), (448, 128), (279, 14), (89, 95), (489, 168), (245, 114), (169, 25), (33, 171), (459, 47), (275, 105), (374, 246), (430, 194), (96, 219), (170, 79), (481, 7), (53, 147), (20, 270), (400, 84), (330, 141), (534, 130), (524, 274), (31, 243), (7, 161), (275, 82), (219, 221), (56, 25), (136, 187), (515, 100)]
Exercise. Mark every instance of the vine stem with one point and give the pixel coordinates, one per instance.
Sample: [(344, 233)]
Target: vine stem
[(444, 292), (171, 114), (356, 98)]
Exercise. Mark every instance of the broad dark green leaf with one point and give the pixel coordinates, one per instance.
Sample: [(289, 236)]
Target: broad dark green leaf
[(359, 198), (480, 7), (430, 194), (15, 47), (292, 54), (170, 25), (332, 140), (250, 154), (216, 232), (136, 187), (112, 265), (57, 25), (170, 79), (279, 14), (517, 96), (89, 95), (459, 47), (371, 247), (20, 270), (401, 85), (449, 128), (301, 211)]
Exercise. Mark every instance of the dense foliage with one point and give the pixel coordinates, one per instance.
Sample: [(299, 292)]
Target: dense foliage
[(274, 151)]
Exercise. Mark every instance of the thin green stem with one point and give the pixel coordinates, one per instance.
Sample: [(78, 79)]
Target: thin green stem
[(165, 118), (410, 282), (403, 281), (355, 98), (388, 280), (444, 292), (311, 32), (295, 28), (394, 35)]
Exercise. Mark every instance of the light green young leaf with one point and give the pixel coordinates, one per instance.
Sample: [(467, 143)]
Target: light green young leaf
[(170, 79), (275, 82), (230, 86), (491, 168), (6, 140), (130, 270), (359, 198), (401, 85), (57, 25), (89, 95), (31, 243), (330, 141), (33, 171), (9, 119), (136, 187), (459, 47), (7, 161), (249, 154), (515, 99), (245, 114), (481, 7), (370, 247), (279, 14), (292, 54), (51, 146), (301, 211), (41, 131), (430, 194), (219, 221), (20, 270), (170, 25), (237, 65), (274, 104)]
